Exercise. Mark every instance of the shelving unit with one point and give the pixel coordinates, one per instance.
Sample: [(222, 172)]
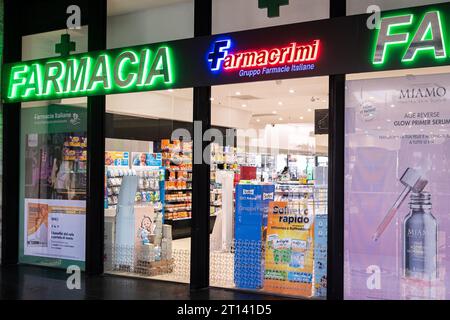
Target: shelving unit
[(177, 159), (74, 163), (150, 186)]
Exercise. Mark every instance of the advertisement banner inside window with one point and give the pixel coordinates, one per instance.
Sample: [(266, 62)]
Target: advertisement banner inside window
[(53, 185), (397, 188)]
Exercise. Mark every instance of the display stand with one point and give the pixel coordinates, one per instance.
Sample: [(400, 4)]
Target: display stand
[(125, 225), (252, 203), (222, 234), (138, 243)]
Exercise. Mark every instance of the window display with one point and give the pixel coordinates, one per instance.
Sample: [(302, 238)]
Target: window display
[(53, 185), (271, 228), (149, 167), (397, 188), (137, 240)]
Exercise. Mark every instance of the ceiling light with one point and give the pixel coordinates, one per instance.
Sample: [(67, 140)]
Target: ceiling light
[(301, 118), (274, 112), (211, 99), (170, 90), (309, 110), (281, 119), (238, 93), (280, 103), (392, 105), (291, 91), (244, 106), (257, 120)]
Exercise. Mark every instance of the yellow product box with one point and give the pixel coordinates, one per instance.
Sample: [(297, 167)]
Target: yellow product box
[(289, 253)]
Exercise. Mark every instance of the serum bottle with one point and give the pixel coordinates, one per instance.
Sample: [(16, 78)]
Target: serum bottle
[(420, 239)]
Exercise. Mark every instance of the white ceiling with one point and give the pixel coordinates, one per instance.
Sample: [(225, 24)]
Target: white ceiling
[(275, 102), (291, 100), (119, 7)]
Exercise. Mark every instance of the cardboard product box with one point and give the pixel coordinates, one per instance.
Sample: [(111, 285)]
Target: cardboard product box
[(252, 205), (320, 255)]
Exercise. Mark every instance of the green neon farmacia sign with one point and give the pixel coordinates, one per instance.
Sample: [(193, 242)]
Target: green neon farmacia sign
[(409, 37), (117, 71)]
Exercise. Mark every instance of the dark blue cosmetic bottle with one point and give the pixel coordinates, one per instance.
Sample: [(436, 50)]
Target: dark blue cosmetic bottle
[(420, 239)]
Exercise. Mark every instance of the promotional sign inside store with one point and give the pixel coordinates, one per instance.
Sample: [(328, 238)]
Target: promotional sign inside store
[(53, 185), (289, 261)]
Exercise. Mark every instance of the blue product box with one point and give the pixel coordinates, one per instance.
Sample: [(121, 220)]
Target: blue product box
[(320, 254), (252, 205)]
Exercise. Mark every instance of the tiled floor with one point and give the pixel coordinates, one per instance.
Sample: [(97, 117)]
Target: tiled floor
[(35, 283)]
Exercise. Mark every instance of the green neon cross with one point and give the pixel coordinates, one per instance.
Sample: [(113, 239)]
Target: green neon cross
[(273, 6), (66, 46)]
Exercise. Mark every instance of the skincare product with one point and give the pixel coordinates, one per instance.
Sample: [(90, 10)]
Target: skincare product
[(412, 180), (420, 239)]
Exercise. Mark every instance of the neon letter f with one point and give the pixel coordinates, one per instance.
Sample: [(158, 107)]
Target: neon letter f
[(385, 38), (219, 53)]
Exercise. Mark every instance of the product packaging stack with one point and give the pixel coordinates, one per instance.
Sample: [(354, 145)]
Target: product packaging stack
[(147, 253), (166, 244), (158, 230)]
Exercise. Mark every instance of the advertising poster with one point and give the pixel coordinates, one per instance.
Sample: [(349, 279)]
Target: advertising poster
[(55, 229), (117, 158), (289, 257), (142, 159), (397, 188), (53, 180)]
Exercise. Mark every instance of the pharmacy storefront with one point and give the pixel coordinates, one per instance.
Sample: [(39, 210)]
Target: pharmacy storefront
[(307, 159)]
